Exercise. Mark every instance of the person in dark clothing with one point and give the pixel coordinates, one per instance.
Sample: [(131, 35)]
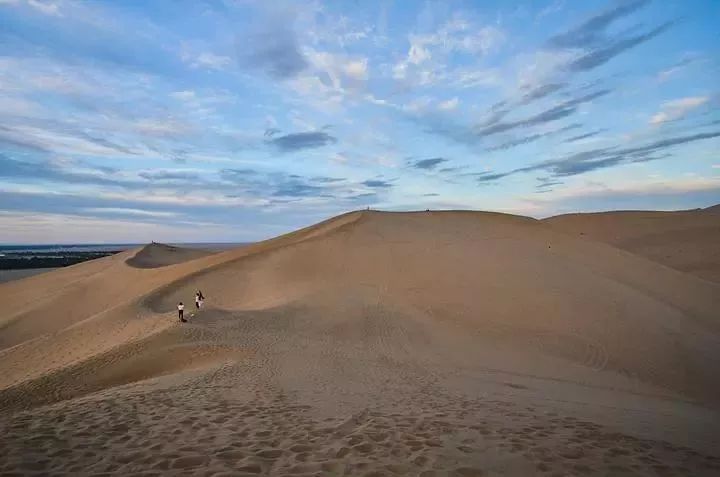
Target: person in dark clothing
[(181, 309)]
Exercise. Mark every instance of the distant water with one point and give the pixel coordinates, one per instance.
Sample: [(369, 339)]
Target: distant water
[(104, 247)]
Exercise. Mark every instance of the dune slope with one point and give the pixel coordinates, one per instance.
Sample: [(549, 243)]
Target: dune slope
[(685, 240), (160, 255), (443, 343)]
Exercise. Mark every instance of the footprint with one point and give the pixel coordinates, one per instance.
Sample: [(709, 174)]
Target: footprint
[(468, 472), (188, 462), (364, 447)]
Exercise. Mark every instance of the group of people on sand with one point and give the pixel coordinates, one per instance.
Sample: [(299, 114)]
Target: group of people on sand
[(199, 300)]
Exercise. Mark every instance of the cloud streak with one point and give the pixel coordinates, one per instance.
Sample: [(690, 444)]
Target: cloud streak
[(299, 141), (532, 138), (678, 109), (587, 135), (593, 159), (600, 56), (377, 184), (592, 31), (428, 164), (559, 111)]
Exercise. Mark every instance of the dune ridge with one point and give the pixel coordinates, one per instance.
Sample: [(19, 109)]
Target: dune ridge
[(373, 343), (687, 240), (158, 255)]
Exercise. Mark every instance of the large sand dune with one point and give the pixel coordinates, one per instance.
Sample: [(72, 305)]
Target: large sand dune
[(685, 240), (429, 343)]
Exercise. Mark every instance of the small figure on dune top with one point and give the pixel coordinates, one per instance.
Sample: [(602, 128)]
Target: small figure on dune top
[(199, 299), (181, 309)]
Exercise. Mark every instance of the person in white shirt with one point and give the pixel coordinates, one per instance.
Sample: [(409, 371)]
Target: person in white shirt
[(199, 299), (181, 309)]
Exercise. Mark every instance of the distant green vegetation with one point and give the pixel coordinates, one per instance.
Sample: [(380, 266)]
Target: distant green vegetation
[(27, 260)]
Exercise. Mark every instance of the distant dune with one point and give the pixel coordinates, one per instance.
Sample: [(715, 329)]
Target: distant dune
[(160, 255), (374, 343), (686, 240)]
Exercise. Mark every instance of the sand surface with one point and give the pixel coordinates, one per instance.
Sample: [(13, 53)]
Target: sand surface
[(685, 240), (429, 343), (10, 275), (160, 255)]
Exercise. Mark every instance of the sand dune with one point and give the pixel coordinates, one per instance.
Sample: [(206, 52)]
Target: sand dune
[(160, 255), (685, 240), (429, 343)]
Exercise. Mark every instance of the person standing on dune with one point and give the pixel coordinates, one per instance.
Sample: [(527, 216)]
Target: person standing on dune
[(181, 309), (199, 299)]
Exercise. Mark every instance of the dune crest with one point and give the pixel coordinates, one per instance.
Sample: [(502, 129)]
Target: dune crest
[(468, 343), (157, 255), (687, 240)]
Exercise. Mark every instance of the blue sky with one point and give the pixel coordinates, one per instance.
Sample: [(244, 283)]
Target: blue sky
[(233, 120)]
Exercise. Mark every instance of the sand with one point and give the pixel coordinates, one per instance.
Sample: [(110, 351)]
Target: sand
[(688, 241), (429, 343), (158, 255), (10, 275)]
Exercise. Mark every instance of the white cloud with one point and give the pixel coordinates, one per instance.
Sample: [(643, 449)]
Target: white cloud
[(206, 60), (386, 160), (28, 227), (474, 78), (539, 67), (688, 59), (664, 75), (337, 71), (17, 106), (319, 95), (564, 200), (418, 54), (458, 35), (183, 95), (424, 63), (374, 100), (162, 127), (45, 7), (425, 104), (716, 166), (59, 142), (357, 69), (320, 26), (127, 211), (339, 158), (330, 80), (677, 109), (27, 75), (418, 105), (449, 105), (48, 8), (58, 84)]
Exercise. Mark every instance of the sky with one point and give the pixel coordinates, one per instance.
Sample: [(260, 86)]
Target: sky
[(235, 120)]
